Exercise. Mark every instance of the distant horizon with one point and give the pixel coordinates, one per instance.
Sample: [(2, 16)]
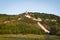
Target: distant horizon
[(13, 7), (30, 11)]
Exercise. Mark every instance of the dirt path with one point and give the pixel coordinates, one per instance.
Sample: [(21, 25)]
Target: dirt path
[(42, 27)]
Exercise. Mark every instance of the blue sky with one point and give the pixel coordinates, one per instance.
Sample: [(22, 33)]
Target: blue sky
[(20, 6)]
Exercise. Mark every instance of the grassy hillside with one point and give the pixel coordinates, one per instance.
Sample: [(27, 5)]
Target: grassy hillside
[(19, 24)]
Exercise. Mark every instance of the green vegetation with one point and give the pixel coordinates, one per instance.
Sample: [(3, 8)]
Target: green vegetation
[(9, 38), (11, 24), (31, 37)]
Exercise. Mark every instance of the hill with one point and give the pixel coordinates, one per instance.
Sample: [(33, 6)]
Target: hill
[(30, 23)]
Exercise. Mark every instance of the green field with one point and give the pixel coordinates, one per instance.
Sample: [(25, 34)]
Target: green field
[(13, 38), (29, 37)]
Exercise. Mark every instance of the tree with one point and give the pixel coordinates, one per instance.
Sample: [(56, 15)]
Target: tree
[(53, 31)]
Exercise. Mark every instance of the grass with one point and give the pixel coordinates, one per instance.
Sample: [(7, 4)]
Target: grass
[(13, 38), (28, 37)]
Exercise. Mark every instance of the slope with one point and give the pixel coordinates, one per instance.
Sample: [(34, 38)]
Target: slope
[(26, 23)]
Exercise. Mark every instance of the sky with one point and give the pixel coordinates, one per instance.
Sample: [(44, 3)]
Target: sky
[(14, 7)]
